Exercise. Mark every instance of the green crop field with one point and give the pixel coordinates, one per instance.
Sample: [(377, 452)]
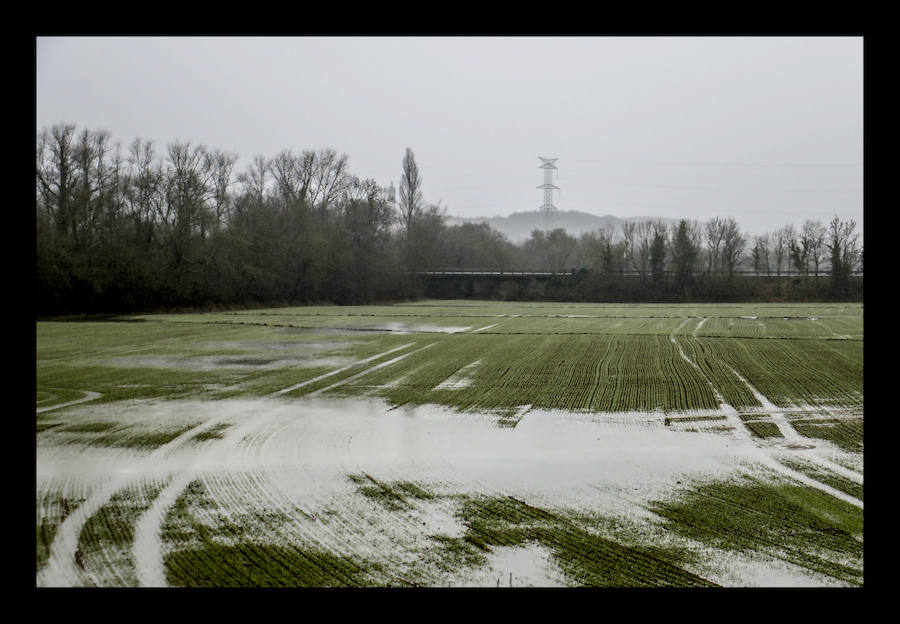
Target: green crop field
[(460, 443)]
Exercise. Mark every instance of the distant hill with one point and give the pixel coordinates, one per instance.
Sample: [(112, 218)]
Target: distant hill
[(518, 226)]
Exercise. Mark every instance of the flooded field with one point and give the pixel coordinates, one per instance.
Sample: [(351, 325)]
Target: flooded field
[(465, 444)]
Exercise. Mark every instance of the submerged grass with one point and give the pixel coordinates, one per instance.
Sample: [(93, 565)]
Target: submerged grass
[(52, 509), (224, 554), (586, 558), (121, 435), (107, 538), (213, 433), (393, 496), (581, 357), (837, 481)]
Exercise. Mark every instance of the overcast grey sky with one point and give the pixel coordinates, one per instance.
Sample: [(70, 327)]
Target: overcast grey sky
[(768, 130)]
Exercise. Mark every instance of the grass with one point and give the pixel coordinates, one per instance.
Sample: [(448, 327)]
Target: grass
[(224, 555), (837, 481), (580, 357), (586, 357), (795, 524), (393, 496), (53, 508), (761, 428), (846, 433), (121, 435), (586, 558), (107, 537), (250, 564)]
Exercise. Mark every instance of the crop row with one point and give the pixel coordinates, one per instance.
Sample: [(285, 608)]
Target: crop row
[(106, 540), (798, 525), (780, 328), (597, 319), (53, 507), (549, 361), (613, 373), (787, 372), (113, 434), (587, 559), (827, 477), (760, 427), (596, 373), (474, 308), (224, 555), (846, 432)]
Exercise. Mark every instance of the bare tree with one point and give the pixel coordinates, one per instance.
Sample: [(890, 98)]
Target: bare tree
[(783, 237), (255, 178), (367, 190), (329, 178), (411, 202), (55, 175), (715, 234), (814, 232), (287, 171), (143, 195), (188, 189), (640, 244), (220, 166), (628, 239), (610, 258), (798, 248), (733, 244), (843, 244), (761, 253)]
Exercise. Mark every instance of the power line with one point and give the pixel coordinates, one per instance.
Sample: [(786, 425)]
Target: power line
[(726, 188), (661, 186), (707, 164)]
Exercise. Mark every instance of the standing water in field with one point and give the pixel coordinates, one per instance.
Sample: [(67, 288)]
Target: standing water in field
[(379, 477)]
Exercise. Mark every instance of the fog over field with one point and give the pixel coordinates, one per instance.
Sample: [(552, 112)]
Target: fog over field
[(449, 311), (766, 129)]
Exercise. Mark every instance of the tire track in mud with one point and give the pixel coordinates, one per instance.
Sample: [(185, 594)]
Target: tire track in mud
[(393, 533), (460, 378), (243, 492), (257, 466), (340, 370), (89, 396), (700, 324), (374, 368), (147, 554), (148, 547), (64, 566), (788, 432), (257, 486), (361, 530)]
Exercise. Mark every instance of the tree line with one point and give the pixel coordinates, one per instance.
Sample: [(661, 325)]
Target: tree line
[(132, 229)]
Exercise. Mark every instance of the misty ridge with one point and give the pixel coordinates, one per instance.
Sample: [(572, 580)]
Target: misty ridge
[(519, 226), (136, 228)]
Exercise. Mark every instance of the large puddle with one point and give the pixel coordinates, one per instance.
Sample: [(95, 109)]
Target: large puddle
[(299, 457), (385, 328)]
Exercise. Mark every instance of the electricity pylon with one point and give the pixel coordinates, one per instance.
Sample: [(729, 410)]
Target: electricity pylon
[(548, 186)]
